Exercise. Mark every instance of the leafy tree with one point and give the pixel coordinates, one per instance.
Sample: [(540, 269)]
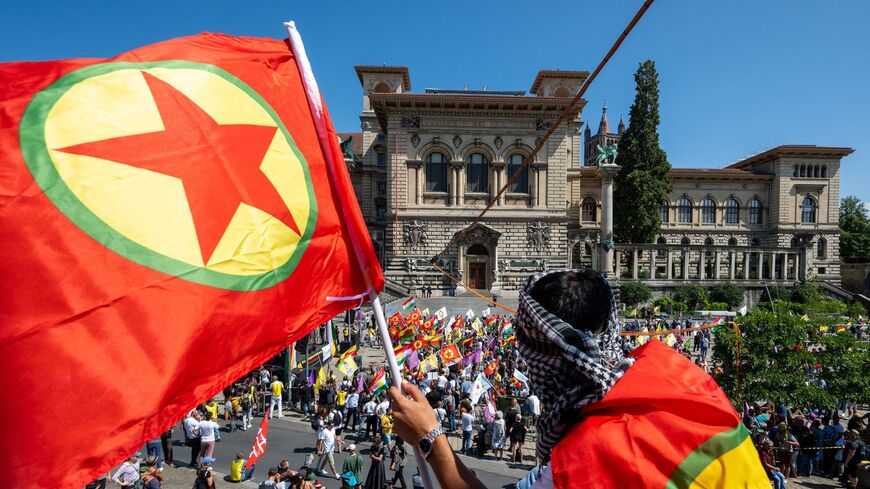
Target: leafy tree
[(856, 309), (843, 361), (669, 305), (773, 361), (805, 292), (694, 296), (855, 235), (634, 293), (727, 292), (642, 185)]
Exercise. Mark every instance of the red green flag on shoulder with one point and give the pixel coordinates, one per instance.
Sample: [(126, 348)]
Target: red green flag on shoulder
[(172, 218), (682, 430)]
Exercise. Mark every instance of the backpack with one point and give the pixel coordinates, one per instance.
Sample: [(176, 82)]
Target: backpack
[(337, 419), (315, 423), (246, 402)]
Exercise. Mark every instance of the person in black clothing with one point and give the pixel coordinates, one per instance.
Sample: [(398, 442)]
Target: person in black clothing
[(397, 462), (517, 437), (434, 395), (306, 397), (204, 478), (166, 441)]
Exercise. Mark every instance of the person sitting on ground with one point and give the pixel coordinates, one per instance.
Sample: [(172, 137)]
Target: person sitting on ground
[(238, 473), (592, 392)]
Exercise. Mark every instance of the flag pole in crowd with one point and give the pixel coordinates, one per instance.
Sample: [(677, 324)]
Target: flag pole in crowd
[(321, 123), (396, 374)]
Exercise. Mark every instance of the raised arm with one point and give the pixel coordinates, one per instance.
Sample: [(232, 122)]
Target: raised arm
[(413, 419)]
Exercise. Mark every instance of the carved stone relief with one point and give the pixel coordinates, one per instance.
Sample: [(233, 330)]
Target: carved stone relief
[(411, 121), (415, 234), (498, 142), (415, 140), (538, 234), (457, 141)]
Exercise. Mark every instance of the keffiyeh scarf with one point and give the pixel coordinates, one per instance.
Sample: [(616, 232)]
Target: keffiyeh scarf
[(572, 367)]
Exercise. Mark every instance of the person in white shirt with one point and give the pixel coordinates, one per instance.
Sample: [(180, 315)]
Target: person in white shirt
[(128, 472), (369, 418), (467, 427), (442, 380), (440, 413), (327, 444), (191, 434), (209, 432), (534, 405), (352, 406)]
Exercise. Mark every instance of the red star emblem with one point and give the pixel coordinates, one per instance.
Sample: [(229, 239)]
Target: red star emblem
[(218, 164)]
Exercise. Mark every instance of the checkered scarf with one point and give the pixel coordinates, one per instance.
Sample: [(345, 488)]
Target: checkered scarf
[(572, 367)]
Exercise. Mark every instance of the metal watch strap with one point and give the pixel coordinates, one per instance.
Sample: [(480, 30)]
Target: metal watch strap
[(431, 437)]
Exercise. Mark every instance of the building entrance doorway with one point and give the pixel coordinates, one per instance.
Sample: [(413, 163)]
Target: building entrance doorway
[(477, 256)]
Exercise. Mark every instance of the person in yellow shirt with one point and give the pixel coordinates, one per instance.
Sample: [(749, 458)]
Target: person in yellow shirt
[(237, 469), (387, 427), (277, 390), (211, 408), (341, 400)]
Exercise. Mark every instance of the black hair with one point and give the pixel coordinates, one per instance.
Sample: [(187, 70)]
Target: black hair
[(581, 298)]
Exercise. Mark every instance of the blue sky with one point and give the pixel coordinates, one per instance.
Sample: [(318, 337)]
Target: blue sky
[(736, 77)]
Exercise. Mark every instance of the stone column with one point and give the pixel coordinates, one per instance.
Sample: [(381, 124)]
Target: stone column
[(702, 264), (652, 264), (746, 255), (607, 173), (421, 184), (533, 185), (772, 265), (685, 263), (716, 265), (460, 185), (634, 264), (617, 265), (760, 265), (732, 265), (670, 271)]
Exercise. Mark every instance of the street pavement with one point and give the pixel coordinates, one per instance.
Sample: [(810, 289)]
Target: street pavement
[(293, 439)]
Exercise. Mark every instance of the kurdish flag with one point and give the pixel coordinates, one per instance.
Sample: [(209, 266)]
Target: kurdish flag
[(491, 368), (350, 352), (402, 353), (687, 432), (409, 304), (450, 355), (197, 183), (379, 382), (506, 328)]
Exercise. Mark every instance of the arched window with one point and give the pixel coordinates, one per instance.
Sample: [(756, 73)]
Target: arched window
[(708, 211), (754, 242), (477, 171), (661, 252), (436, 173), (817, 171), (708, 241), (684, 210), (808, 210), (822, 248), (589, 210), (521, 184), (685, 241), (477, 250), (381, 87), (794, 242), (732, 211), (825, 171), (753, 214), (795, 171), (664, 212), (803, 170), (732, 241)]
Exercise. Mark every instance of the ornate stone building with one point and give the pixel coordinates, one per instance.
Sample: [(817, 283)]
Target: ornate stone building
[(426, 164), (773, 216)]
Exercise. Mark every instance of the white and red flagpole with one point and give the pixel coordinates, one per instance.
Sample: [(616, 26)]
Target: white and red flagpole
[(320, 123)]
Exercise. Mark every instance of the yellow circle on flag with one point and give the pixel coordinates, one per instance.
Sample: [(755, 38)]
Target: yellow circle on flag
[(151, 216)]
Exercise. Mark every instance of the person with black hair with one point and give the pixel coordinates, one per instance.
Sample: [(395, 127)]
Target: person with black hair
[(568, 334)]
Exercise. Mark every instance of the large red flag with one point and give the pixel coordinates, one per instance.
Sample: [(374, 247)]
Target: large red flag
[(171, 218)]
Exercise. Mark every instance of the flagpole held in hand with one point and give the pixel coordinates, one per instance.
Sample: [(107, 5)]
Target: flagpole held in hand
[(396, 374)]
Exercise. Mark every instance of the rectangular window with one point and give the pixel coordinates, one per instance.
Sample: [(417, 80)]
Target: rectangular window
[(663, 213), (382, 159), (382, 188), (381, 212)]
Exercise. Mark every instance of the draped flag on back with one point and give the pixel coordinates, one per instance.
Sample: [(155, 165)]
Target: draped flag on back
[(158, 207)]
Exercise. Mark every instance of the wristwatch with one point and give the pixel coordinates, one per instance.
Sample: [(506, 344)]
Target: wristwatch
[(428, 441)]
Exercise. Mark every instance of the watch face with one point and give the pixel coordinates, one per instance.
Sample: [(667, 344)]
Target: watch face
[(425, 445)]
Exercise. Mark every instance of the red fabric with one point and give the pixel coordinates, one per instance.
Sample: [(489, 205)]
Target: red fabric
[(259, 447), (654, 417), (101, 353)]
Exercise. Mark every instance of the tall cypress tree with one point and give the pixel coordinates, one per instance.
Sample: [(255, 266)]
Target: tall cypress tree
[(643, 184)]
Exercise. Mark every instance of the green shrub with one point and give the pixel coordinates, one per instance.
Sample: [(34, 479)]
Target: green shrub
[(634, 293), (729, 293), (693, 296)]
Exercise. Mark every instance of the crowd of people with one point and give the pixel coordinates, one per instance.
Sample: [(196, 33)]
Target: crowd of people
[(470, 371)]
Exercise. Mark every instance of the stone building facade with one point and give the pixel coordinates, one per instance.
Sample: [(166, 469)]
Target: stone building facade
[(770, 217), (427, 163)]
